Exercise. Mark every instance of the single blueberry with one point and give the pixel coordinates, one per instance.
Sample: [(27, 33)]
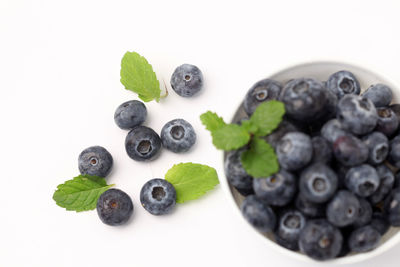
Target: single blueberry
[(318, 183), (380, 222), (386, 181), (142, 143), (187, 80), (342, 83), (379, 94), (322, 150), (284, 127), (357, 114), (320, 240), (236, 174), (350, 151), (332, 130), (158, 196), (364, 213), (308, 208), (394, 151), (114, 207), (364, 239), (95, 160), (291, 223), (276, 190), (260, 92), (294, 151), (130, 114), (362, 180), (178, 136), (343, 209), (258, 214), (388, 123), (392, 207), (378, 147)]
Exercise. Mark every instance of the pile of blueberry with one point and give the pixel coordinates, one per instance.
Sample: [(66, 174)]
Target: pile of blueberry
[(338, 190), (142, 143)]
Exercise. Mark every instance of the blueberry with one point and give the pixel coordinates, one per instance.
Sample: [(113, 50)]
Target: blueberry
[(277, 190), (294, 151), (392, 207), (322, 150), (260, 92), (305, 99), (379, 94), (158, 196), (318, 183), (332, 130), (394, 152), (357, 114), (310, 209), (386, 181), (142, 143), (342, 83), (343, 209), (397, 180), (364, 239), (362, 180), (378, 147), (341, 172), (95, 160), (178, 136), (284, 127), (130, 114), (388, 123), (320, 240), (350, 151), (187, 80), (114, 207), (235, 173), (396, 110), (258, 214), (364, 213), (291, 223), (380, 222)]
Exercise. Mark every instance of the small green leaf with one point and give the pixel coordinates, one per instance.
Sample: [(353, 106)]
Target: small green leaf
[(267, 117), (191, 180), (260, 160), (230, 136), (137, 75), (249, 126), (212, 121), (81, 193)]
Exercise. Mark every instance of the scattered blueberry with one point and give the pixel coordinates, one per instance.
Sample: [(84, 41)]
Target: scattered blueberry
[(343, 209), (386, 181), (364, 239), (318, 183), (308, 208), (276, 190), (284, 127), (387, 121), (236, 175), (380, 222), (291, 222), (142, 143), (320, 240), (178, 136), (350, 151), (392, 207), (332, 130), (158, 196), (114, 207), (322, 150), (379, 94), (130, 114), (294, 151), (378, 147), (357, 114), (364, 213), (95, 160), (258, 214), (342, 83), (394, 152), (187, 80), (362, 180), (260, 92)]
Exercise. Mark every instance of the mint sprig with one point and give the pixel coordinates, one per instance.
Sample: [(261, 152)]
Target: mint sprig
[(260, 159)]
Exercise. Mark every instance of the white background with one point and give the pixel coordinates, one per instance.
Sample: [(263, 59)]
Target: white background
[(59, 84)]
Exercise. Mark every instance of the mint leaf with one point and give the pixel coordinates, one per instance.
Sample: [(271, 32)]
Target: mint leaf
[(191, 180), (267, 117), (260, 160), (81, 193), (249, 126), (230, 136), (137, 75), (212, 121)]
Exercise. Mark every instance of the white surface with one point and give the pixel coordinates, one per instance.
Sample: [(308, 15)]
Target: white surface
[(59, 82)]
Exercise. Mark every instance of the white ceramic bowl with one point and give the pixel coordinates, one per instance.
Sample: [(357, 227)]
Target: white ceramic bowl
[(320, 71)]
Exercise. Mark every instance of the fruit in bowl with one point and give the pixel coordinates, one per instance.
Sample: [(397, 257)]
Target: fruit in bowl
[(333, 193)]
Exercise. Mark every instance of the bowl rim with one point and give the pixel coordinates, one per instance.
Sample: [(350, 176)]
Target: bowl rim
[(356, 258)]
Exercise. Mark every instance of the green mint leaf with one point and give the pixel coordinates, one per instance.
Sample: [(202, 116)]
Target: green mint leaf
[(230, 136), (191, 180), (249, 126), (212, 121), (267, 117), (137, 75), (81, 193), (260, 160)]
